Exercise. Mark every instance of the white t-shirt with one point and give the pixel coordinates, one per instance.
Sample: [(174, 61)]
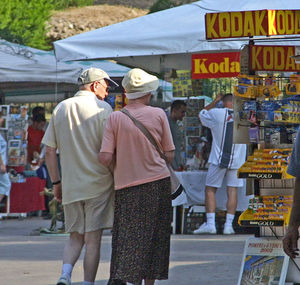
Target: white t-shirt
[(223, 152)]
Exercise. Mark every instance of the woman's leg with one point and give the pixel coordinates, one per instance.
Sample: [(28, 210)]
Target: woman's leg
[(149, 282)]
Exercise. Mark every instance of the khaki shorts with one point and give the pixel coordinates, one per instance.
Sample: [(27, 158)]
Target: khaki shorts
[(90, 215)]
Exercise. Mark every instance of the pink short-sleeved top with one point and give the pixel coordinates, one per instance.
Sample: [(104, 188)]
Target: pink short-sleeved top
[(137, 160)]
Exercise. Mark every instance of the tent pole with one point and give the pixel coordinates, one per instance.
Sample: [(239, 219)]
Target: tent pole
[(55, 81)]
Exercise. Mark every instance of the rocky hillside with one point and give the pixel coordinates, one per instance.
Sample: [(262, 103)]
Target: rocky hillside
[(74, 21)]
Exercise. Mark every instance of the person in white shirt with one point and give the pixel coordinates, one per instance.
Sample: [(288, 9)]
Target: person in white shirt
[(224, 160)]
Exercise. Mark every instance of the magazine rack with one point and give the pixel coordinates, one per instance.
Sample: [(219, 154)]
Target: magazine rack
[(14, 131), (270, 142)]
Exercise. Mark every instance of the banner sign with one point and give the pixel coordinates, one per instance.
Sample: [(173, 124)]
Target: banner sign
[(273, 58), (213, 65), (252, 23)]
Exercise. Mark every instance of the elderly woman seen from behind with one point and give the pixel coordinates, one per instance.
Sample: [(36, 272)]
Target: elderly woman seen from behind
[(141, 231)]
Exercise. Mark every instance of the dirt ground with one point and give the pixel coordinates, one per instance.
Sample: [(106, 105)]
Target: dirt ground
[(73, 21)]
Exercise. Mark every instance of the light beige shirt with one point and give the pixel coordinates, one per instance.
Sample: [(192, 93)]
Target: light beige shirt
[(76, 129)]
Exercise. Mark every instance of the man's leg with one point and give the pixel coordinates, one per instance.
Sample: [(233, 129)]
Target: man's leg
[(232, 199), (92, 254), (73, 248), (71, 254), (210, 199), (210, 207)]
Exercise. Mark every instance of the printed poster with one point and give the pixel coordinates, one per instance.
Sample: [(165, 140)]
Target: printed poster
[(182, 85), (264, 262)]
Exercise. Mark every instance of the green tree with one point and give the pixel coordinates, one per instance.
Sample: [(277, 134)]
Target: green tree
[(161, 5), (23, 21), (167, 4), (62, 4)]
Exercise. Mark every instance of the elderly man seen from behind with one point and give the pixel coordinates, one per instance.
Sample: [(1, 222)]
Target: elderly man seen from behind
[(86, 186)]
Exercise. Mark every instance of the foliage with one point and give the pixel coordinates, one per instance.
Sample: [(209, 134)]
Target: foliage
[(161, 5), (63, 4), (167, 4), (24, 21)]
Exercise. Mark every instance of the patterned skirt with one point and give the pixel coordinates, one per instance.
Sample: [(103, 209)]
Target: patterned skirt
[(141, 232)]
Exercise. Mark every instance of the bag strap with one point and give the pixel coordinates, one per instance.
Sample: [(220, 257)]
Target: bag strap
[(146, 132)]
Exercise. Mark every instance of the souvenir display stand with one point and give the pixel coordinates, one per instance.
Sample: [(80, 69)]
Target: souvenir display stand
[(268, 121), (27, 193), (267, 116)]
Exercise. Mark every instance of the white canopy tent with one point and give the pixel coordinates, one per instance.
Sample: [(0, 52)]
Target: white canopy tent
[(19, 63), (29, 74), (165, 39)]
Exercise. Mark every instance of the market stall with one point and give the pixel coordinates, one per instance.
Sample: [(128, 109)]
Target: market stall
[(27, 193), (266, 110), (168, 39), (163, 40), (33, 75), (194, 186), (26, 197)]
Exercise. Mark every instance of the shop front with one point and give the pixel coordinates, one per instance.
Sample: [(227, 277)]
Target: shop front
[(266, 110)]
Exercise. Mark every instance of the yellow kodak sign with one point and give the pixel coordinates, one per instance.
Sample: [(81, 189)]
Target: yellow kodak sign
[(271, 58), (252, 23)]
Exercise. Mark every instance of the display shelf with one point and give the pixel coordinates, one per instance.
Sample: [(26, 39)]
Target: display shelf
[(246, 219), (259, 223), (267, 211), (266, 164), (264, 175)]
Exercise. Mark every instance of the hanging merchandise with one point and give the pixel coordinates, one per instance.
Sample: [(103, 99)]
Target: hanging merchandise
[(14, 130), (252, 87), (293, 87)]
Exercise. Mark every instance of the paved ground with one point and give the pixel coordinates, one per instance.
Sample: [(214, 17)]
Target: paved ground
[(27, 258)]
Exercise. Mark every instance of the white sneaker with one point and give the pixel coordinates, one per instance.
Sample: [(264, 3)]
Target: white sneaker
[(64, 280), (228, 230), (205, 229)]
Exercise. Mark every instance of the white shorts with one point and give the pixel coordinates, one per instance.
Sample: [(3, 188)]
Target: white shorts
[(216, 175)]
